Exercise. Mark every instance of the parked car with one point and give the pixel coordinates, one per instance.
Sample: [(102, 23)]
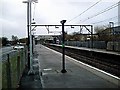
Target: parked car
[(17, 47), (8, 45)]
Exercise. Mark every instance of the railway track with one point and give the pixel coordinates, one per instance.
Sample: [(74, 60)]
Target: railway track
[(110, 65)]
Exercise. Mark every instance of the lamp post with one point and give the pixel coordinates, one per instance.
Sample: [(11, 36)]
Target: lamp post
[(28, 21), (63, 47), (30, 32), (31, 54)]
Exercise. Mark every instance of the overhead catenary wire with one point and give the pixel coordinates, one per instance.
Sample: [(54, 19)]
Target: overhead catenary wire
[(116, 22), (115, 17), (107, 24), (103, 11), (84, 11)]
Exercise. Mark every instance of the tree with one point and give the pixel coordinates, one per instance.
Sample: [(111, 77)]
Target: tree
[(98, 29), (104, 33), (14, 39), (4, 41)]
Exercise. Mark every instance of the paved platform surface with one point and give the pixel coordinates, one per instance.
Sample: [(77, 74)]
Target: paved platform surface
[(33, 80), (50, 64), (30, 81)]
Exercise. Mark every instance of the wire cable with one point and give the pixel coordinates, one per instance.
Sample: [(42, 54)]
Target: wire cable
[(105, 20), (103, 11), (85, 11), (117, 23)]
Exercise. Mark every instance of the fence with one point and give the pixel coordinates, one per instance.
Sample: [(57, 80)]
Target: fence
[(13, 64), (112, 46), (96, 44)]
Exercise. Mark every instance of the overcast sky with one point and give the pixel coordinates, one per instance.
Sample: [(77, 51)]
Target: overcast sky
[(14, 14)]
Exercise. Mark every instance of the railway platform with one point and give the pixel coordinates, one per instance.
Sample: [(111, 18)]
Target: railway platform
[(47, 65), (78, 74)]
